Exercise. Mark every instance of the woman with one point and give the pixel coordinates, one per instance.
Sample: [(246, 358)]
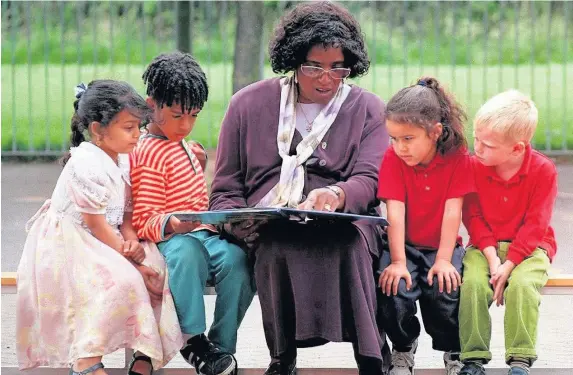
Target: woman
[(314, 142)]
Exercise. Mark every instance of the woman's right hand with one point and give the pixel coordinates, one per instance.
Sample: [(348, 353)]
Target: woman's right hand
[(153, 283), (245, 231), (390, 278)]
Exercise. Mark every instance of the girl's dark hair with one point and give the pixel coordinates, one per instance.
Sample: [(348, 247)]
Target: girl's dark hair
[(317, 23), (101, 101), (176, 78), (425, 104)]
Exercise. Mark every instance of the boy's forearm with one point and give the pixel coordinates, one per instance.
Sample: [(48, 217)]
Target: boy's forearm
[(472, 217)]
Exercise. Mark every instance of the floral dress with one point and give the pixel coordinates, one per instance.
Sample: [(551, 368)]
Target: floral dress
[(78, 297)]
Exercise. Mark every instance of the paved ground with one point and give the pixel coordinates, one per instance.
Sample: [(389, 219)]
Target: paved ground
[(26, 186)]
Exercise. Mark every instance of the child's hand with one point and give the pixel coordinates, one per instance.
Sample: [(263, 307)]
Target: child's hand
[(446, 273), (177, 226), (133, 250), (499, 280), (199, 153), (390, 278), (152, 283)]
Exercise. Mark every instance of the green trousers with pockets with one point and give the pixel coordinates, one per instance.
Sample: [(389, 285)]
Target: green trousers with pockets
[(522, 297)]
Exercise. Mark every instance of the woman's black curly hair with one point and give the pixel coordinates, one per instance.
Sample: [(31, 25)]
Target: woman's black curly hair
[(317, 23), (176, 78)]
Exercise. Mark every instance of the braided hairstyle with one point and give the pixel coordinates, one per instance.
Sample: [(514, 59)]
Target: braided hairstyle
[(176, 78), (100, 102), (425, 104)]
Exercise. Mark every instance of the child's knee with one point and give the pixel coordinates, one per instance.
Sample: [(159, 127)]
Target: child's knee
[(520, 283), (128, 280), (404, 298), (235, 264), (184, 249), (444, 296), (475, 281)]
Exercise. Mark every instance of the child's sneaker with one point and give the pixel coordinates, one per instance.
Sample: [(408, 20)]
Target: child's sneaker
[(472, 368), (452, 363), (206, 358), (403, 362)]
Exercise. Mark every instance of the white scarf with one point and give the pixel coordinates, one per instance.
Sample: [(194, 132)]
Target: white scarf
[(288, 191)]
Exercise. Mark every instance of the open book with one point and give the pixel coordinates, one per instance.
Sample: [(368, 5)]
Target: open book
[(303, 216)]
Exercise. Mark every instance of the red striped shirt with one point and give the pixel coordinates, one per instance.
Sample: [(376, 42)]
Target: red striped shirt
[(165, 177)]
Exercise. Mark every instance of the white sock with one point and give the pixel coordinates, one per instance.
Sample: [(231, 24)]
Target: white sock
[(521, 363)]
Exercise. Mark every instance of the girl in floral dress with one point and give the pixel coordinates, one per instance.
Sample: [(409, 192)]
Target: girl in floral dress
[(86, 285)]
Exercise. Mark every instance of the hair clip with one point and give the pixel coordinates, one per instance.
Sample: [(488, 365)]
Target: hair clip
[(80, 89), (422, 83)]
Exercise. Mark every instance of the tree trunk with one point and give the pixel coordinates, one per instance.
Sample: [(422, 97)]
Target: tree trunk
[(184, 26), (248, 39)]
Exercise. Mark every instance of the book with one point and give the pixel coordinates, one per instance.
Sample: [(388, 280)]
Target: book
[(302, 216)]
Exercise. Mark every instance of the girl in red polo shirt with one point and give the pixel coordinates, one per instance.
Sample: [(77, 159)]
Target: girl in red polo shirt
[(423, 180)]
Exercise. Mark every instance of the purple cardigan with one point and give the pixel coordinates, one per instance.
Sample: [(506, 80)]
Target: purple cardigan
[(248, 163)]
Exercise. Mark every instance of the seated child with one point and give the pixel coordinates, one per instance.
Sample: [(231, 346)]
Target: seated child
[(86, 285), (167, 177), (423, 180), (511, 241)]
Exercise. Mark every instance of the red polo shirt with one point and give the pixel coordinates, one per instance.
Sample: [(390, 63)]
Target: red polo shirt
[(518, 210), (424, 190)]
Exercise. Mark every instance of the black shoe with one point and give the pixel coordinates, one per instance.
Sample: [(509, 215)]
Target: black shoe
[(472, 368), (135, 358), (282, 368), (207, 358), (368, 365)]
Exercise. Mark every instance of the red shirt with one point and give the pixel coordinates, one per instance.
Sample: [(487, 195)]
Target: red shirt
[(518, 210), (424, 191)]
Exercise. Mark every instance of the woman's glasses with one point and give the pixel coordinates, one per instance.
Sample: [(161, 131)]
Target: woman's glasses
[(317, 72)]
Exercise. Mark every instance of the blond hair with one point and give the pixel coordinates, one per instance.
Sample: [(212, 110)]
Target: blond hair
[(510, 113)]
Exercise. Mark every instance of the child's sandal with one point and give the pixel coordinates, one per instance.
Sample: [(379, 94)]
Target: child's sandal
[(138, 358), (97, 366)]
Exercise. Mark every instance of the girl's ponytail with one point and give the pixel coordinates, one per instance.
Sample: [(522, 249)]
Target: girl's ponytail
[(77, 125), (452, 117)]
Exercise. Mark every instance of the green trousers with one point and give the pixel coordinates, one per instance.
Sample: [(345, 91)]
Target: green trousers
[(522, 297)]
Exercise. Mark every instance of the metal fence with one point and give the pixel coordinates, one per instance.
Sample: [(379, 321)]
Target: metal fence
[(475, 48)]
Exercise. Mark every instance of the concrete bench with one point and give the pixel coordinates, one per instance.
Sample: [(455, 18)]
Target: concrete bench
[(557, 284)]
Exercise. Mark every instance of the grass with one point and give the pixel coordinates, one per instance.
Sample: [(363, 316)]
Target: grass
[(37, 99)]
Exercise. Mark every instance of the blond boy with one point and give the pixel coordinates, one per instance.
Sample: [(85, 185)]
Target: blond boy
[(511, 242)]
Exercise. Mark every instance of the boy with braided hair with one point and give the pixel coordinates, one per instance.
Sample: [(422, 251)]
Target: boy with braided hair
[(167, 177)]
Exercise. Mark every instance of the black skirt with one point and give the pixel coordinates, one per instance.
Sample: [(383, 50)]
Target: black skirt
[(316, 284)]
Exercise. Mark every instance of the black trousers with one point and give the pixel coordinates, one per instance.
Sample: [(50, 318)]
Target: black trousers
[(396, 315)]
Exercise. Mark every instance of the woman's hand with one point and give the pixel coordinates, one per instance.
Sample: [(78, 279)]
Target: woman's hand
[(245, 231), (133, 250), (391, 276), (446, 274), (322, 199)]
